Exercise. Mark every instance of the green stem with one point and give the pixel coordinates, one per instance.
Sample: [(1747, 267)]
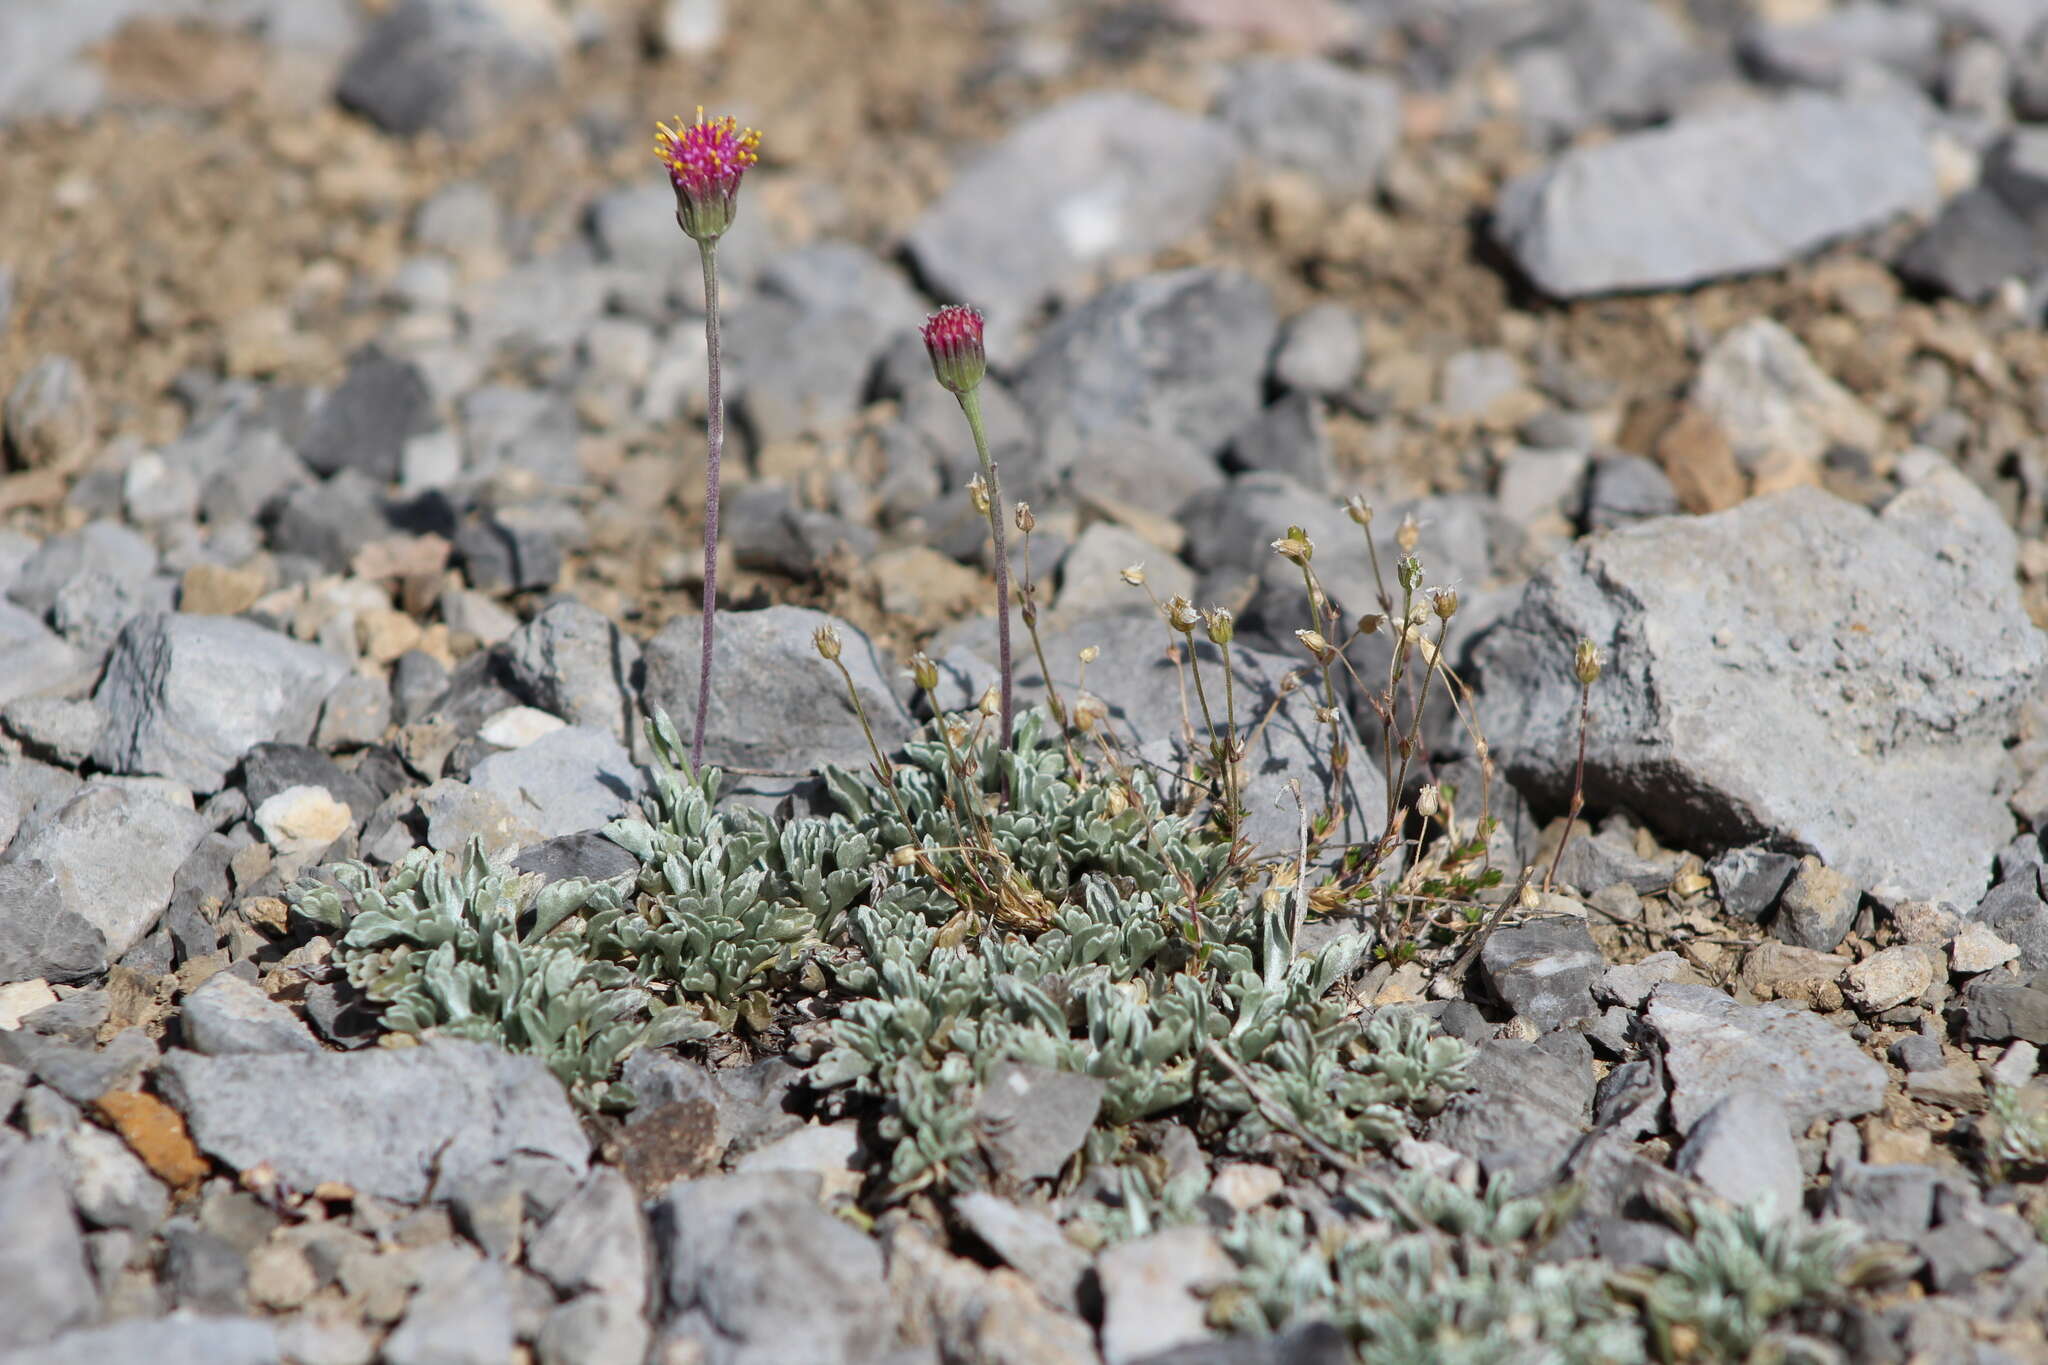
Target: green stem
[(970, 404)]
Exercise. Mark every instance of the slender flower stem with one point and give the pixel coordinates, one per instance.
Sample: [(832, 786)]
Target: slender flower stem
[(707, 250), (970, 405), (1578, 802)]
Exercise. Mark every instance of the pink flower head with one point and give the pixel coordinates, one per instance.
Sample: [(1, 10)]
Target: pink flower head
[(952, 337), (705, 161)]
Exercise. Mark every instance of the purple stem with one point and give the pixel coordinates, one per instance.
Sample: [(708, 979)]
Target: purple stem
[(715, 434)]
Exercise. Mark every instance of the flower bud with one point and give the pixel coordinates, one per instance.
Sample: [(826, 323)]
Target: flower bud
[(1295, 546), (1409, 570), (924, 672), (1314, 643), (826, 640), (1370, 623), (1026, 522), (1181, 614), (902, 856), (1089, 712), (1326, 715), (1135, 575), (1429, 800), (1358, 509), (991, 704), (1446, 602), (977, 493), (1586, 663), (952, 338), (1222, 625), (1408, 535), (1088, 654)]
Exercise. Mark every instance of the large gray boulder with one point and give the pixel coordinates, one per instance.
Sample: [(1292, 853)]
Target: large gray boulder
[(1795, 671), (186, 696), (1102, 175), (1715, 194), (389, 1122)]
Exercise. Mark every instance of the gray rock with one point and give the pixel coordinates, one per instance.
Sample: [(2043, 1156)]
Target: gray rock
[(1714, 1046), (1974, 247), (1891, 1201), (459, 218), (179, 1339), (1314, 1343), (838, 277), (2015, 912), (1320, 350), (1288, 438), (49, 417), (1918, 1052), (33, 658), (417, 682), (774, 703), (328, 522), (795, 373), (365, 423), (752, 1264), (203, 1270), (1032, 1119), (110, 1186), (451, 66), (1625, 489), (1742, 1150), (268, 769), (187, 696), (456, 813), (1029, 1241), (386, 1122), (103, 547), (1816, 908), (589, 1328), (534, 431), (507, 552), (1305, 114), (567, 781), (1748, 879), (1598, 859), (467, 1322), (102, 864), (1099, 176), (1827, 50), (576, 855), (1728, 718), (771, 533), (228, 1015), (78, 1071), (90, 610), (1714, 194), (61, 730), (572, 661), (1180, 355), (1527, 1108), (356, 713), (1150, 1292), (596, 1242), (1544, 969), (1999, 1011), (42, 1259)]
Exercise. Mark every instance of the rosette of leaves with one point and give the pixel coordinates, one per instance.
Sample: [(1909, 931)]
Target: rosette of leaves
[(472, 950), (1151, 954), (1437, 1272), (728, 898)]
